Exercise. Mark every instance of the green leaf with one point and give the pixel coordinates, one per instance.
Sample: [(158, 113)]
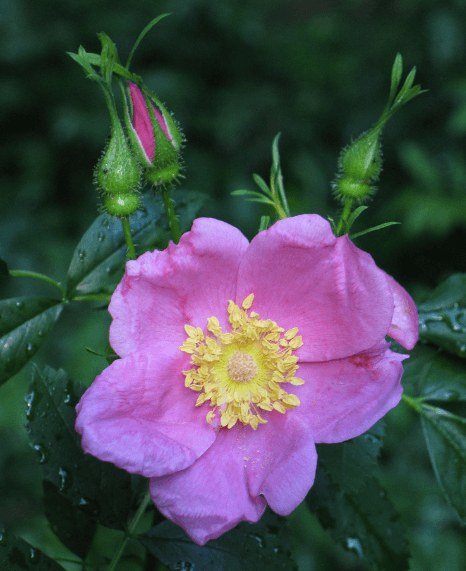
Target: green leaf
[(397, 71), (379, 227), (445, 435), (262, 185), (99, 489), (248, 546), (142, 34), (430, 374), (72, 526), (354, 215), (18, 555), (442, 316), (364, 522), (99, 259), (24, 324), (350, 464)]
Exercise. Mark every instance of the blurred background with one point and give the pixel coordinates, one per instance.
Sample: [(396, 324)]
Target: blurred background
[(235, 73)]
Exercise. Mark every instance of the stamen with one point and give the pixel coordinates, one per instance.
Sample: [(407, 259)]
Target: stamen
[(243, 371)]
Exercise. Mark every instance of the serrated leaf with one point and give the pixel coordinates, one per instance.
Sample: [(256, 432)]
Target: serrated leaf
[(260, 546), (433, 375), (364, 522), (350, 464), (99, 259), (18, 555), (100, 489), (442, 317), (445, 435), (24, 324), (73, 527)]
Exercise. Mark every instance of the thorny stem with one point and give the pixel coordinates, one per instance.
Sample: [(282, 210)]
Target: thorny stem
[(130, 531), (128, 238), (172, 221)]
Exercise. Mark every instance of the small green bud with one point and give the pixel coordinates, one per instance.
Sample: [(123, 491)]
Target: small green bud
[(362, 159), (360, 164), (121, 204), (117, 172)]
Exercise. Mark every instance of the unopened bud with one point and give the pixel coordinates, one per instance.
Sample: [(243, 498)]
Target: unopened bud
[(154, 136), (360, 164), (117, 172)]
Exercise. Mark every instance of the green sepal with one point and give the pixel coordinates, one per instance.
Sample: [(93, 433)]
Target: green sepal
[(118, 171)]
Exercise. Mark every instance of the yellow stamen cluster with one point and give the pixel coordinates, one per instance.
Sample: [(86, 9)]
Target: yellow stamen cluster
[(243, 371)]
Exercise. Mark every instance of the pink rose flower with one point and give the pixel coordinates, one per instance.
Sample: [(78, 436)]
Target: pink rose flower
[(236, 358)]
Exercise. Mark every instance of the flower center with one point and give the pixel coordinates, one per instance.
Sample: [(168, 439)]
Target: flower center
[(241, 373), (242, 367)]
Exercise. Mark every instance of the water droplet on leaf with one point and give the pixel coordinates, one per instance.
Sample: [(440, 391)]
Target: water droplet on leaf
[(19, 304), (65, 479), (42, 452), (30, 347)]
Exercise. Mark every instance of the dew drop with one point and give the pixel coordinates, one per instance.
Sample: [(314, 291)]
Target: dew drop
[(42, 452), (29, 399), (30, 347), (19, 304), (65, 479), (3, 538), (34, 556), (462, 348), (40, 333), (81, 253), (101, 237), (67, 398), (258, 539), (353, 544), (183, 566)]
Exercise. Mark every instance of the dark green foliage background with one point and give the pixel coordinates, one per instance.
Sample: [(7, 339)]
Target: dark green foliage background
[(235, 73)]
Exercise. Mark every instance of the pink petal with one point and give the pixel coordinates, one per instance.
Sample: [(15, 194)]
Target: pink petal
[(342, 399), (281, 461), (185, 284), (302, 276), (142, 122), (211, 496), (405, 323), (139, 415), (226, 485)]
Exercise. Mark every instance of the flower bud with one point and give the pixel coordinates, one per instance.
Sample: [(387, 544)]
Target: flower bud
[(117, 172), (360, 164), (154, 136)]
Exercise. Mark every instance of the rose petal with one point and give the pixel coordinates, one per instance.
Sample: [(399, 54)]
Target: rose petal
[(302, 276), (342, 399), (405, 322), (211, 496), (185, 284), (281, 461), (139, 415)]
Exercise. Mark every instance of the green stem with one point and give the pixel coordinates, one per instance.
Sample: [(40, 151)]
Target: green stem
[(41, 277), (412, 402), (128, 237), (172, 221), (130, 531), (92, 297), (343, 224)]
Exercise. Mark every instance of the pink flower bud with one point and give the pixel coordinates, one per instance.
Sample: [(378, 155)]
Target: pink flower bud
[(154, 136)]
